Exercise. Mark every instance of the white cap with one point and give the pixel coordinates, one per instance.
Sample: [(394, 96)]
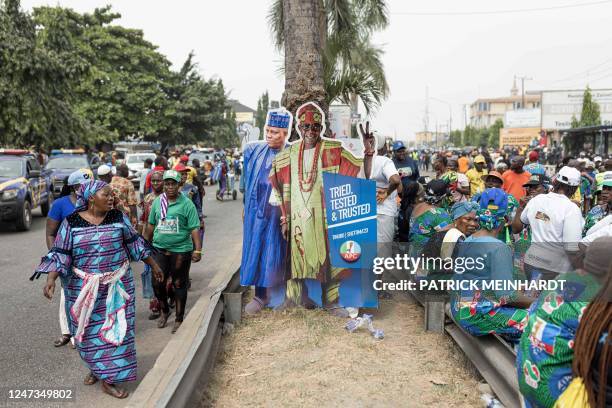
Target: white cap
[(380, 140), (103, 170), (569, 175), (597, 158)]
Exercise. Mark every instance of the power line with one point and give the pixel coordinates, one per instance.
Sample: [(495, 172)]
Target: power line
[(491, 12), (591, 71)]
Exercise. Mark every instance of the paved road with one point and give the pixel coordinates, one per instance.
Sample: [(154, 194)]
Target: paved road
[(30, 322)]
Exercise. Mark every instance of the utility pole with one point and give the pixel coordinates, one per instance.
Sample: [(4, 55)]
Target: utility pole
[(426, 118), (523, 79), (450, 113)]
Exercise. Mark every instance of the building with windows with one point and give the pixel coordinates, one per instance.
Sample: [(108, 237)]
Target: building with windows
[(244, 114), (485, 111)]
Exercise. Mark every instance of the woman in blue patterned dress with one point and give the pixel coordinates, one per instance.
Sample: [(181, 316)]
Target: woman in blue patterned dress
[(91, 255)]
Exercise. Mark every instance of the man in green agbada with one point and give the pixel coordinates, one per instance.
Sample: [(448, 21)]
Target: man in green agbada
[(297, 179)]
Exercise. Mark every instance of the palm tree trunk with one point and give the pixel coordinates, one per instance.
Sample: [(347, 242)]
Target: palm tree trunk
[(303, 54)]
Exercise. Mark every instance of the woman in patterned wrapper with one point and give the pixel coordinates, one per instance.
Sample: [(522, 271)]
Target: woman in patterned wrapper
[(91, 254), (480, 311), (428, 218)]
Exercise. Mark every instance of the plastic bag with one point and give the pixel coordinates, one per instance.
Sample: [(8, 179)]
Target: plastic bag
[(574, 396), (365, 321)]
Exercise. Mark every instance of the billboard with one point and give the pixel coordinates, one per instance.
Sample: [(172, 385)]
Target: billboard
[(518, 136), (340, 121), (523, 118), (558, 107)]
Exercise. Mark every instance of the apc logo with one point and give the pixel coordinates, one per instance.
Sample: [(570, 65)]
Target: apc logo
[(350, 251), (531, 373)]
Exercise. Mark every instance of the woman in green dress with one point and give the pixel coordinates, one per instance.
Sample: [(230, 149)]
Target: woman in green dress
[(428, 217)]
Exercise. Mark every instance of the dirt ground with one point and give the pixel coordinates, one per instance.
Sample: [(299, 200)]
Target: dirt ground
[(307, 359)]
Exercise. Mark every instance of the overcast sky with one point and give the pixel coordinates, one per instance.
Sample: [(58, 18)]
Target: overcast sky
[(459, 57)]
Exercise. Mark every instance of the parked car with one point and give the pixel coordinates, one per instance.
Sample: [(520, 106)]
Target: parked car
[(135, 162), (63, 162), (23, 187)]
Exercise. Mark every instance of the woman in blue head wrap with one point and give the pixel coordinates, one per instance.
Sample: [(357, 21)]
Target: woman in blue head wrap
[(91, 254), (484, 258)]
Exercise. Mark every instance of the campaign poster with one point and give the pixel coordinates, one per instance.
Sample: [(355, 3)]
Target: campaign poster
[(350, 205)]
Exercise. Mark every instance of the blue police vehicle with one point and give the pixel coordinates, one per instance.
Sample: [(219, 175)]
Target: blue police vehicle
[(23, 187), (62, 163)]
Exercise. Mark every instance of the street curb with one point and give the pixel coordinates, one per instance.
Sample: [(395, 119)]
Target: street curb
[(174, 379)]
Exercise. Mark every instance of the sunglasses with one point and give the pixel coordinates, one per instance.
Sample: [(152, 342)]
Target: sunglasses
[(314, 127)]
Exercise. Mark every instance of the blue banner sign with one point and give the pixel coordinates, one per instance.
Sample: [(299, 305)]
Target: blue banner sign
[(350, 205)]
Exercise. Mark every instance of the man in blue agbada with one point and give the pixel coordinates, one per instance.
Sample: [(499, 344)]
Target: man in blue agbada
[(264, 251)]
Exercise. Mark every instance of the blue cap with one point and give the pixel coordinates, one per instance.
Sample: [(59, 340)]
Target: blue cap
[(279, 119), (78, 177), (398, 145)]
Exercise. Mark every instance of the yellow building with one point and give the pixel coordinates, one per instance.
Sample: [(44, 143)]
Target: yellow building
[(244, 114), (485, 111), (430, 138)]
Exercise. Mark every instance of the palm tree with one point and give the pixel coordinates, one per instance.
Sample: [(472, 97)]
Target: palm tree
[(298, 22), (351, 65)]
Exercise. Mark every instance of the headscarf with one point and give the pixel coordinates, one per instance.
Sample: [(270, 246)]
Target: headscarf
[(491, 218), (435, 191), (87, 191), (460, 209)]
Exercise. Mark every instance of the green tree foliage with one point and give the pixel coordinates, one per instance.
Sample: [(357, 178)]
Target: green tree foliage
[(590, 116), (591, 113), (471, 136), (575, 122), (455, 138), (263, 105), (225, 134), (494, 131), (199, 107), (124, 93), (68, 78), (35, 83)]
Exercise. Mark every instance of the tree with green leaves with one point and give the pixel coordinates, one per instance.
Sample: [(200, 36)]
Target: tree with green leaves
[(124, 95), (199, 108), (493, 132), (334, 37), (263, 105), (575, 123), (471, 136), (129, 90), (455, 138), (591, 113), (36, 83)]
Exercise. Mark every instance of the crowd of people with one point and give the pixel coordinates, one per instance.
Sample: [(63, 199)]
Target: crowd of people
[(528, 220), (96, 228)]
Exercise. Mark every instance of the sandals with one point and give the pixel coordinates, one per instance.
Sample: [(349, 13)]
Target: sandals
[(114, 391), (176, 327), (90, 379), (254, 306), (62, 341), (163, 320)]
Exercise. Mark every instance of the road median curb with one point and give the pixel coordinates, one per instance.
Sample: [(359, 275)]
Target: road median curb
[(175, 378)]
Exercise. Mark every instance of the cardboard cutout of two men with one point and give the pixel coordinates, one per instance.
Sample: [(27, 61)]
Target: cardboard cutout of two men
[(292, 247)]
